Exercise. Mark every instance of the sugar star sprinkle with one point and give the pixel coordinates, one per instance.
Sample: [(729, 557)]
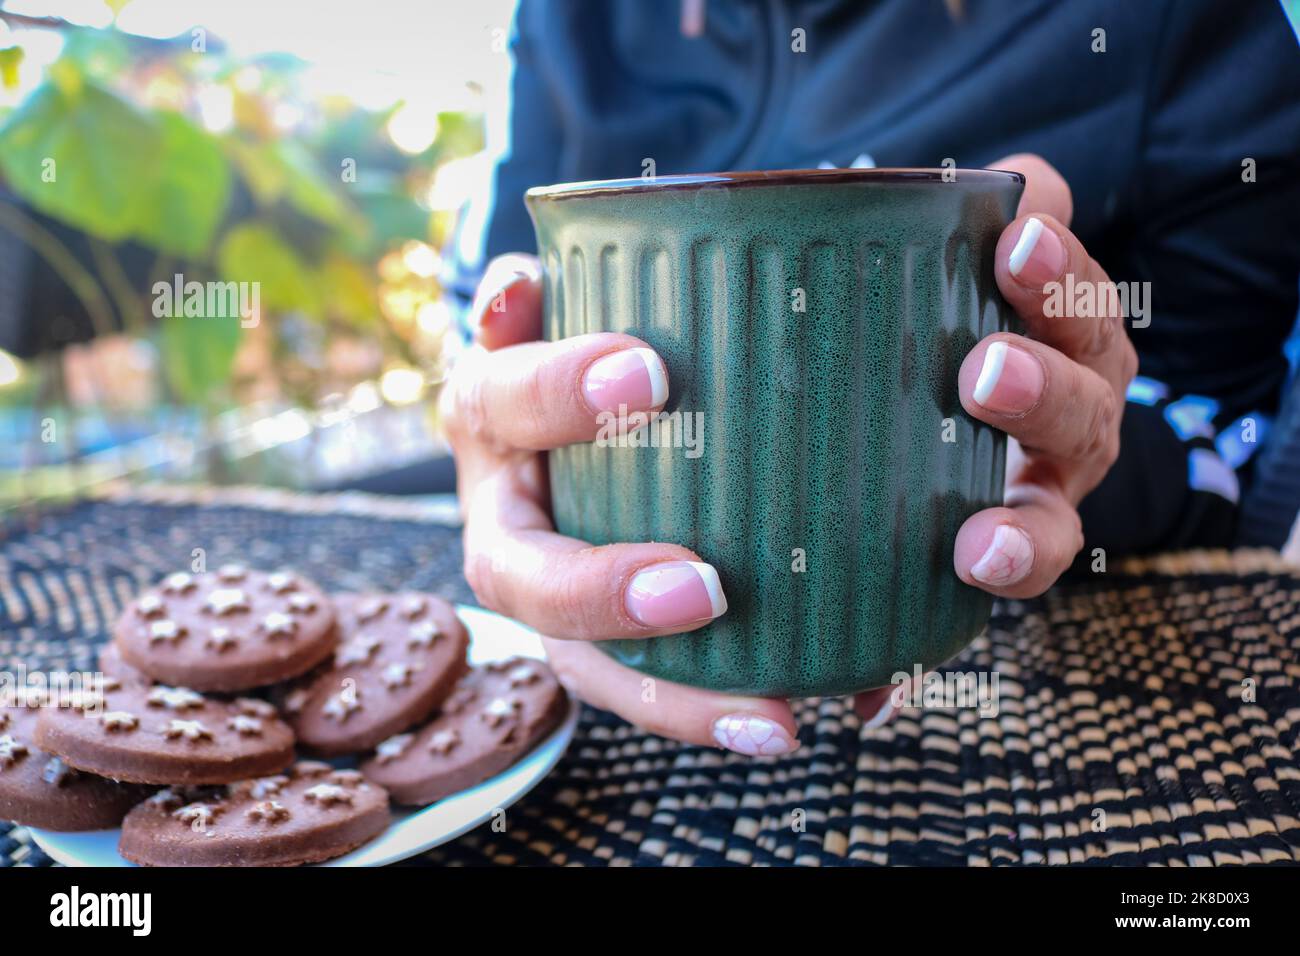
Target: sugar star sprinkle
[(356, 651), (197, 815), (264, 787), (268, 811), (245, 726), (232, 572), (11, 751), (498, 710), (119, 720), (327, 794), (151, 605), (397, 674), (189, 729), (523, 675), (165, 631), (278, 624), (393, 747), (282, 582), (423, 634), (371, 609), (174, 698), (444, 741), (302, 603), (341, 706), (221, 639), (225, 601), (179, 583)]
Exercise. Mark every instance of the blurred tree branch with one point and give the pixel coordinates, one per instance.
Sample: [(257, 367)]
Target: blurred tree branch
[(79, 279), (23, 20)]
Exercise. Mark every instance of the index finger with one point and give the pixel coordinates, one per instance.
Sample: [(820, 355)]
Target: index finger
[(1063, 296)]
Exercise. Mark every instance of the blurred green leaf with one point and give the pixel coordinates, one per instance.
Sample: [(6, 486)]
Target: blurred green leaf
[(191, 195), (82, 155), (348, 291), (307, 190), (198, 354), (459, 135), (260, 168), (391, 212), (10, 57), (285, 170), (254, 253)]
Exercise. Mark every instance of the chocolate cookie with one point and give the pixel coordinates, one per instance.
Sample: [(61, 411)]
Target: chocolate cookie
[(496, 715), (111, 663), (230, 630), (399, 657), (310, 813), (166, 735), (40, 790)]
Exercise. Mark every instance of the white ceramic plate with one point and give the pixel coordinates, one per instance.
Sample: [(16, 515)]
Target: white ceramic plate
[(492, 637)]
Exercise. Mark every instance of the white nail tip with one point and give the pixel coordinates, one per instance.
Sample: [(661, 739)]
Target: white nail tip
[(995, 357), (1025, 245), (709, 575), (658, 377), (881, 716), (1009, 558)]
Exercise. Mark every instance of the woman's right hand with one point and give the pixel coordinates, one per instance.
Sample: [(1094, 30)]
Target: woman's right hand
[(509, 399)]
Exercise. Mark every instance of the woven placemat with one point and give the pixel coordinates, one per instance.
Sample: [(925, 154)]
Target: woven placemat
[(1146, 716)]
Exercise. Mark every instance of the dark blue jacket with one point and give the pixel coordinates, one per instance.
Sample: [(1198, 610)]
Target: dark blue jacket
[(1151, 134)]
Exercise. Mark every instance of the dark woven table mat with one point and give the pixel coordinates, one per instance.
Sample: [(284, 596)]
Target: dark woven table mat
[(1147, 716)]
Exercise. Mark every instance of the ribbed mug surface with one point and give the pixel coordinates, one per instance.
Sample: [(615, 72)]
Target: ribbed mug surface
[(812, 325)]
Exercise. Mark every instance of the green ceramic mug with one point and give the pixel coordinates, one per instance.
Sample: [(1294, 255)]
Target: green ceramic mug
[(815, 450)]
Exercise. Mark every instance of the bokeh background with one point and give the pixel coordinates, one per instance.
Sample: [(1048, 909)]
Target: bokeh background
[(332, 153)]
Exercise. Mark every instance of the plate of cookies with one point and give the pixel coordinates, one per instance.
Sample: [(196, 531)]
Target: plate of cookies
[(244, 718)]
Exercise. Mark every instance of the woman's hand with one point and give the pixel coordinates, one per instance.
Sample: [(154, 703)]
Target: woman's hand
[(511, 397), (1058, 392)]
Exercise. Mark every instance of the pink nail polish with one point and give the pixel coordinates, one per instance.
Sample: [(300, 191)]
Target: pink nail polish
[(1009, 558), (752, 735), (1010, 380), (675, 594), (1038, 256), (490, 306), (633, 378)]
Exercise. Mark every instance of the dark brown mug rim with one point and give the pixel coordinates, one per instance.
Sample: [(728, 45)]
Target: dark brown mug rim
[(774, 177)]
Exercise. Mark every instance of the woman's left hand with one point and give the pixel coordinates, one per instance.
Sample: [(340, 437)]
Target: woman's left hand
[(1058, 391)]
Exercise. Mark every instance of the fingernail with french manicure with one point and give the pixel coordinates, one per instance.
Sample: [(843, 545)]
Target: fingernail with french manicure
[(752, 735), (1038, 256), (675, 593), (1008, 560), (882, 715), (1010, 380), (633, 378), (497, 303)]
